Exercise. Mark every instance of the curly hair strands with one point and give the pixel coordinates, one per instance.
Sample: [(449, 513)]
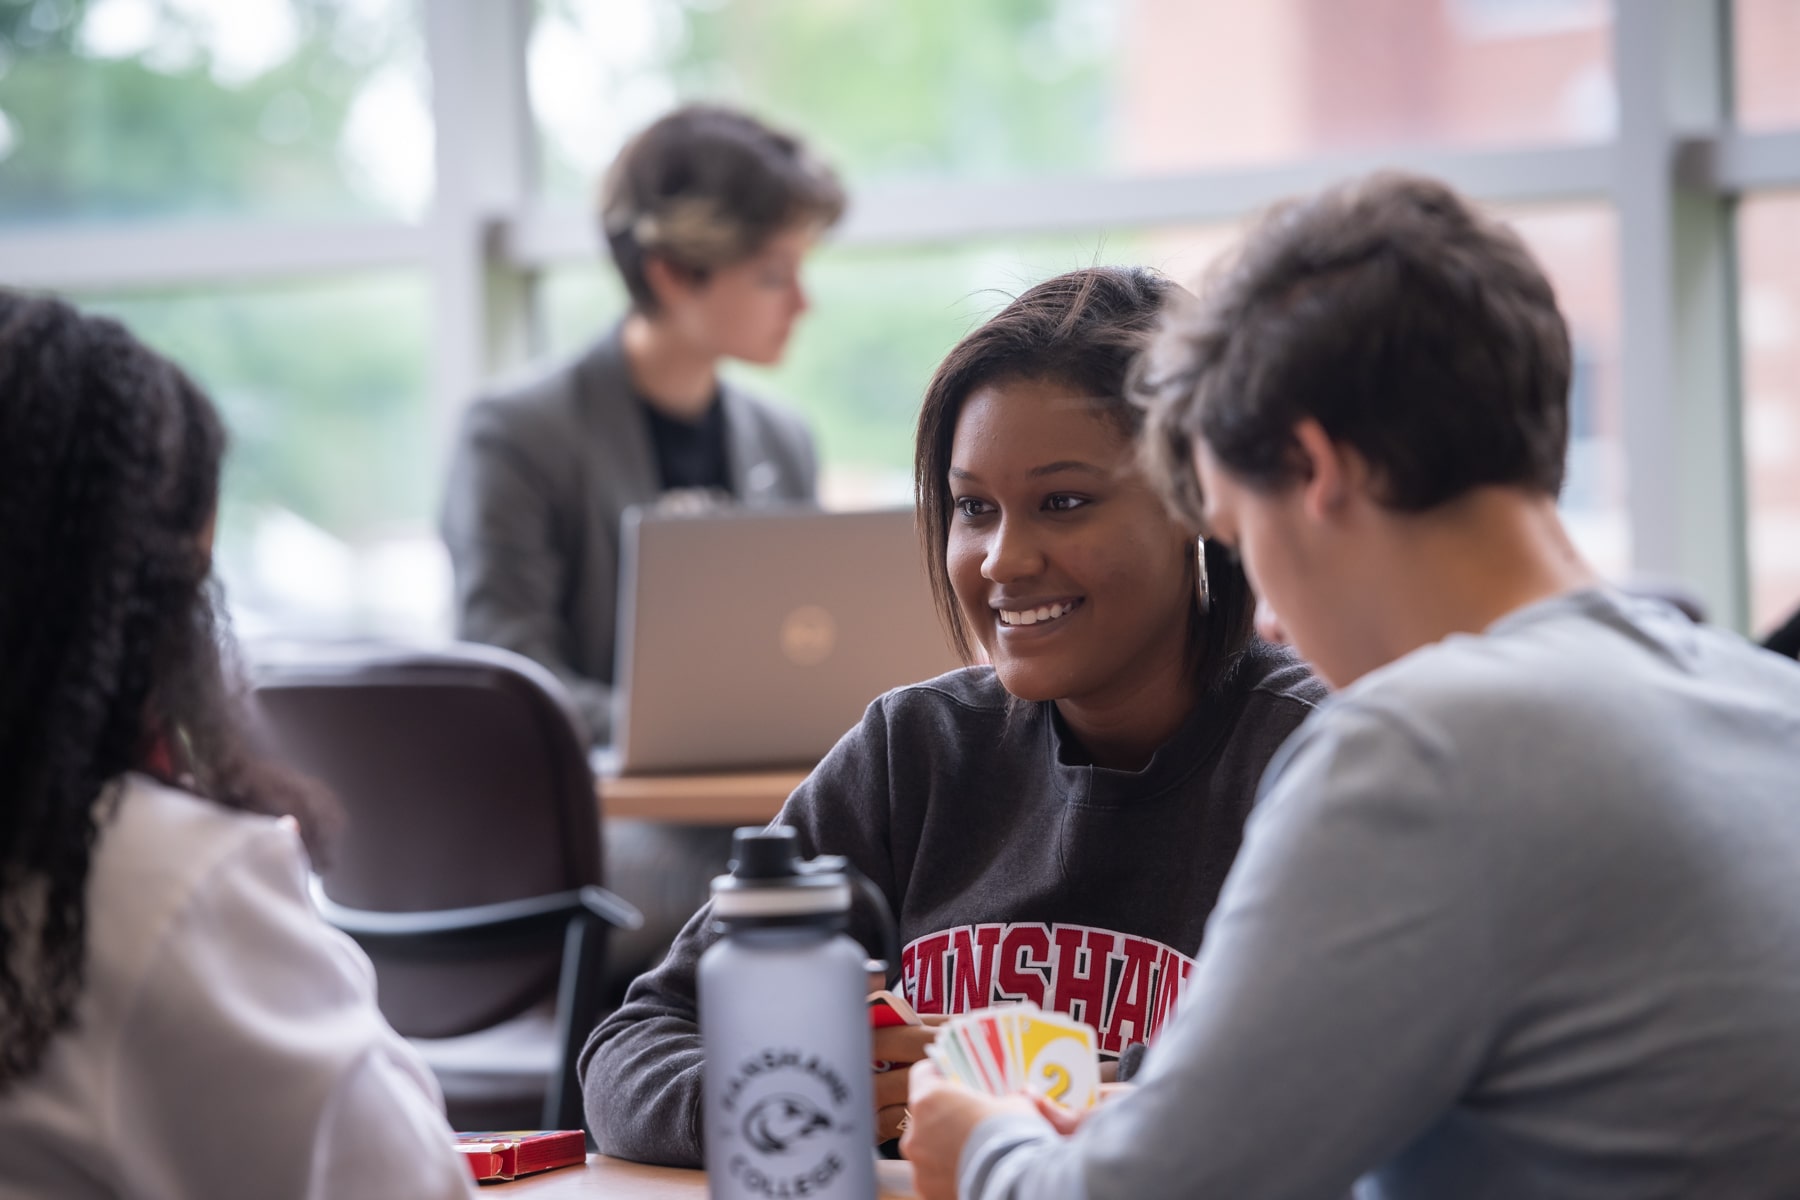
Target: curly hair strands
[(1082, 329), (109, 477)]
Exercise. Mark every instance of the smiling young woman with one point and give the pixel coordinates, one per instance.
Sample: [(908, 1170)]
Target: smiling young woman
[(1067, 568), (1037, 514), (1055, 826)]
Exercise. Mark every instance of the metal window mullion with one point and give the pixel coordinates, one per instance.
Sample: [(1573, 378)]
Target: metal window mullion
[(899, 215), (1736, 162), (1678, 304), (485, 166), (176, 254)]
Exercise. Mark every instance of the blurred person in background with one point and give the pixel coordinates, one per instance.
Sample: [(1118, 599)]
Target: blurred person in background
[(709, 215), (175, 1020)]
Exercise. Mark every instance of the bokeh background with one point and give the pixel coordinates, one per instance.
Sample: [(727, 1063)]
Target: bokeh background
[(345, 216)]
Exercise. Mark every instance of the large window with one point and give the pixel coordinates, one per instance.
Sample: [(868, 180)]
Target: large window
[(1767, 94), (1769, 240), (944, 88), (1767, 74), (343, 215), (119, 116), (116, 109), (1578, 247), (325, 522)]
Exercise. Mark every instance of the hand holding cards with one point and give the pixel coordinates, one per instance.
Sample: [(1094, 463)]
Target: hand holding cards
[(1020, 1048)]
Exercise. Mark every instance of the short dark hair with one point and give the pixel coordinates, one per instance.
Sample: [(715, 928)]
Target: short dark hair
[(705, 187), (1408, 324), (1083, 330)]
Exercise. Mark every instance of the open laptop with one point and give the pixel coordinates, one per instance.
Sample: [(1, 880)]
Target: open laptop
[(757, 637)]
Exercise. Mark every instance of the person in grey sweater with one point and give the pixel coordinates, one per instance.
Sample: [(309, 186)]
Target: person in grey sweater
[(1517, 913), (1055, 826)]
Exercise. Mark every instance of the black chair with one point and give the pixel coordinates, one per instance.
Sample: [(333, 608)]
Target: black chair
[(469, 864)]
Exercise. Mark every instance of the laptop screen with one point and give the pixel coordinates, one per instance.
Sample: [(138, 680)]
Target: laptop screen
[(757, 637)]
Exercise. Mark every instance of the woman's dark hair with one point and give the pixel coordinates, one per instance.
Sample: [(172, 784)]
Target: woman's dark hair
[(110, 648), (1081, 330), (1393, 312), (705, 187)]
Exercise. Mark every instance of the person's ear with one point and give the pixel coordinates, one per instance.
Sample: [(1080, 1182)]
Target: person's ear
[(1331, 471), (668, 283)]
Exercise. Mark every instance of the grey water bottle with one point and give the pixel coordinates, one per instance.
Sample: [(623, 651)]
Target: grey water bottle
[(784, 1027)]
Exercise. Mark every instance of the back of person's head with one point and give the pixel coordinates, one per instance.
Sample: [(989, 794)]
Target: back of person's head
[(109, 484), (1409, 325), (706, 187), (1082, 330)]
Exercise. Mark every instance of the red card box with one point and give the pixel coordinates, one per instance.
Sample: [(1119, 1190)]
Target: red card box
[(887, 1010), (496, 1156)]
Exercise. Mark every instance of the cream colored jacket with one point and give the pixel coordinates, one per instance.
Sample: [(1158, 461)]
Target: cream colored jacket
[(227, 1041)]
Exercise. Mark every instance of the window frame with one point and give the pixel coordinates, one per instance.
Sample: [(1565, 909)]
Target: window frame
[(1673, 172)]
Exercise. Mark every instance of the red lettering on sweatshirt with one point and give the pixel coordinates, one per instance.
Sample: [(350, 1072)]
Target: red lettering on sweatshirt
[(1133, 997), (1126, 987), (1172, 973), (922, 972), (1081, 958), (975, 948), (1026, 967)]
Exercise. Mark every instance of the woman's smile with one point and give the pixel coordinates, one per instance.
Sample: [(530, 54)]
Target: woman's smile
[(1035, 617), (1066, 565)]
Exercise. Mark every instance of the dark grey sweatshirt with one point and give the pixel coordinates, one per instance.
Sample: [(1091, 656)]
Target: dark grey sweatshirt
[(1015, 872)]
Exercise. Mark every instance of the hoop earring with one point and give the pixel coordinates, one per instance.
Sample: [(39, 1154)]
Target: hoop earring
[(1202, 586)]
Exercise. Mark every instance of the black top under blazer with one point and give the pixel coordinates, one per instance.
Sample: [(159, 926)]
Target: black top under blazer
[(542, 472)]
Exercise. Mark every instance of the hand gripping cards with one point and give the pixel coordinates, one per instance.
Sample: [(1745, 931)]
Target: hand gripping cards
[(1020, 1048)]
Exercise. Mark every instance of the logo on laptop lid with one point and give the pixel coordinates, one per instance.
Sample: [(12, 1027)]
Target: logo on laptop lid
[(808, 636)]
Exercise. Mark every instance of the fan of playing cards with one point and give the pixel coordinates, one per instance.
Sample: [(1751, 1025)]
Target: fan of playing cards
[(1020, 1048)]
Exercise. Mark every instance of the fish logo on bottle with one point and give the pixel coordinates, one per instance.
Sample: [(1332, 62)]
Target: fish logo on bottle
[(784, 1107)]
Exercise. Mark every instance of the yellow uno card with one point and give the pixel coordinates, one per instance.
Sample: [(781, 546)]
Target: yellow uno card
[(1059, 1058)]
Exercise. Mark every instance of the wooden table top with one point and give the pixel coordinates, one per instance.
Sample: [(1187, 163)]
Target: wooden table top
[(724, 798), (617, 1179)]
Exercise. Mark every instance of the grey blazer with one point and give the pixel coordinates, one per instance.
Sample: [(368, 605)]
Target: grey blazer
[(540, 476)]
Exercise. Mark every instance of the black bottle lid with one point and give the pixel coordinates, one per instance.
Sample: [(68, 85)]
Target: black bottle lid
[(765, 854), (768, 879)]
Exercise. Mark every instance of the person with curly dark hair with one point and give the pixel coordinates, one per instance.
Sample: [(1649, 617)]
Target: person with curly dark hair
[(174, 1018)]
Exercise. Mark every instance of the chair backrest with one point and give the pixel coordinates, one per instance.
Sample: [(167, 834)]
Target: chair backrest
[(463, 781)]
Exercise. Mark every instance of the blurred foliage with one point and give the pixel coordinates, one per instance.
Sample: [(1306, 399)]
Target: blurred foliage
[(885, 89), (323, 386), (168, 131), (321, 381), (927, 87)]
